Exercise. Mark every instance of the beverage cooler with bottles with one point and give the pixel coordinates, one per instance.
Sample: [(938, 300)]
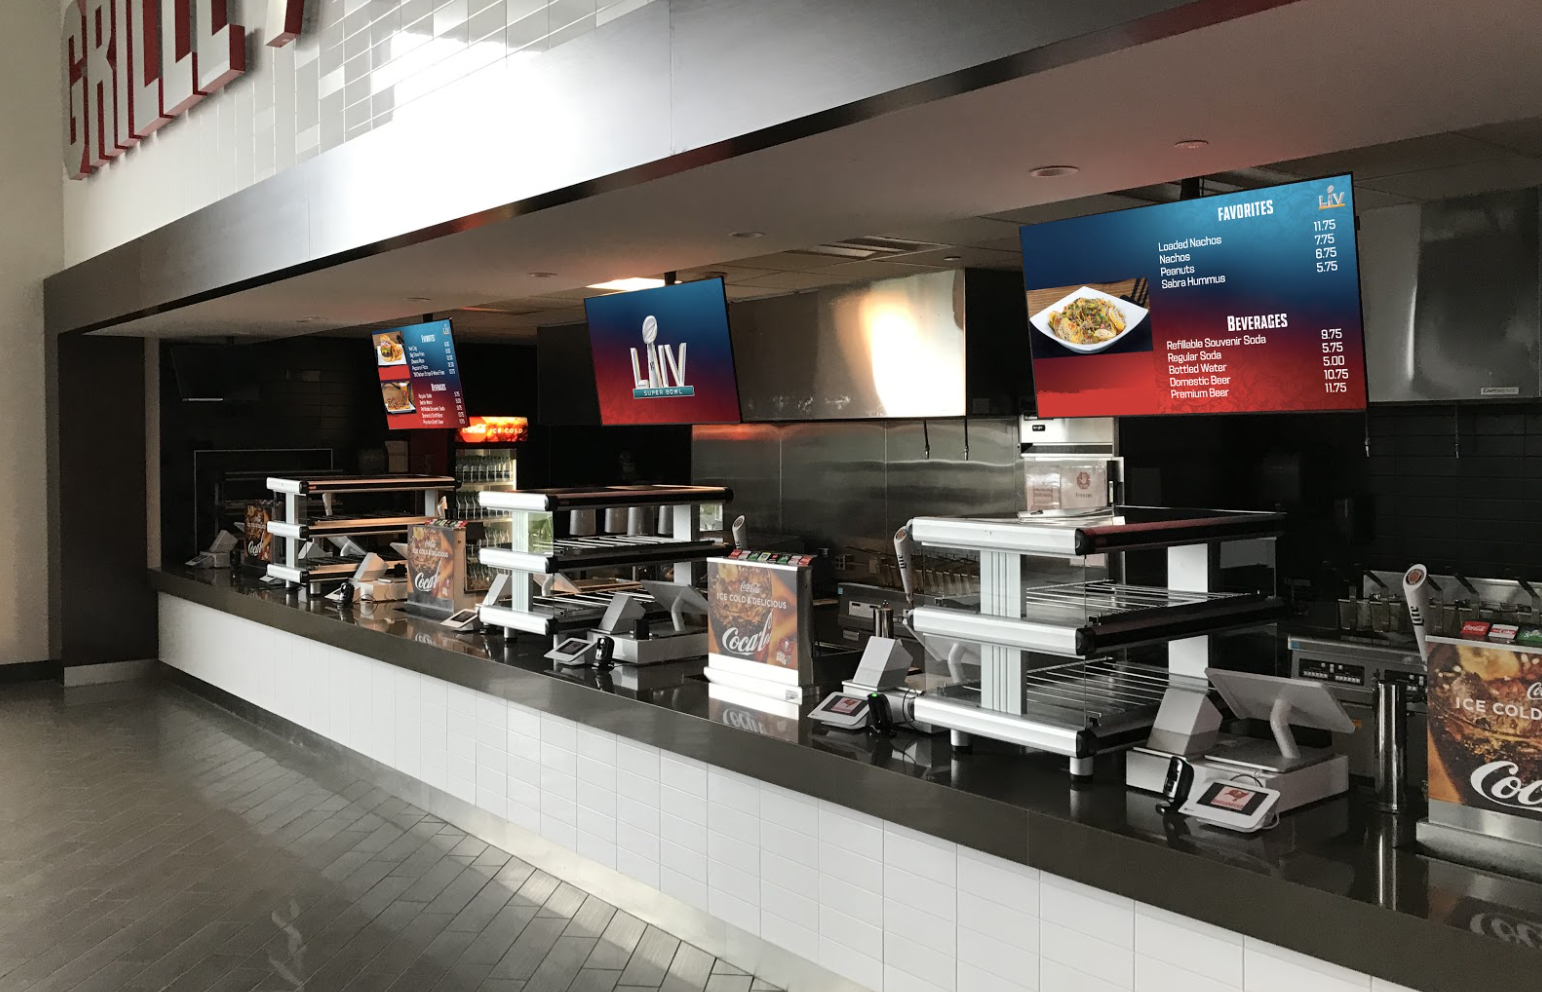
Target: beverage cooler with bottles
[(486, 459)]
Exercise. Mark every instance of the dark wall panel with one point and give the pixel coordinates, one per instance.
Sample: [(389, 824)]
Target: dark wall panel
[(107, 609), (1459, 488)]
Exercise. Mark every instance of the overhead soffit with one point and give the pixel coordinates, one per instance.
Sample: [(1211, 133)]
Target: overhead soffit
[(907, 201)]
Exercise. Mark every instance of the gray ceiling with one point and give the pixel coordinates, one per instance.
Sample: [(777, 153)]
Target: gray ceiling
[(1496, 156)]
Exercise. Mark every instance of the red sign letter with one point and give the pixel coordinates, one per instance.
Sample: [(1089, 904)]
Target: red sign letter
[(179, 63), (78, 160), (102, 85), (144, 80), (221, 46), (285, 20)]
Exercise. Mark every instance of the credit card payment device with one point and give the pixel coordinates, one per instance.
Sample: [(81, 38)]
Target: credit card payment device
[(1238, 806), (843, 712)]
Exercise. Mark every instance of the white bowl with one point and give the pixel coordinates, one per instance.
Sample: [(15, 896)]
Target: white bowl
[(1132, 316)]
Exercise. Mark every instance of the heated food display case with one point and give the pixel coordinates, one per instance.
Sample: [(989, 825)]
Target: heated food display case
[(1053, 658), (299, 552), (559, 539)]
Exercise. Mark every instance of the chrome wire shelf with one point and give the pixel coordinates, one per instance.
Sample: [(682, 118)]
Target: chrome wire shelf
[(1099, 689), (602, 551), (1093, 601)]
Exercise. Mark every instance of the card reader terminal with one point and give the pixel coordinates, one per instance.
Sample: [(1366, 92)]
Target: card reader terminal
[(1232, 805), (842, 711)]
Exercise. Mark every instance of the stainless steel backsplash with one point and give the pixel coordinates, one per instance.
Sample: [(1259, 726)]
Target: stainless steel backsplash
[(849, 485)]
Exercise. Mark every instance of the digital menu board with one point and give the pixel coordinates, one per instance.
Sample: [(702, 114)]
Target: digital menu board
[(419, 377), (663, 356), (1242, 303)]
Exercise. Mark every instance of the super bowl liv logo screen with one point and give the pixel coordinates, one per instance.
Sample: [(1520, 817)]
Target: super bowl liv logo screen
[(666, 366)]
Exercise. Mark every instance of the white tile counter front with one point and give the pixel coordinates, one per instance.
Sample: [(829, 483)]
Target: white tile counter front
[(890, 909)]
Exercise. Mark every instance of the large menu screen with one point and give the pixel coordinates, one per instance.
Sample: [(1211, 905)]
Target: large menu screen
[(419, 377), (663, 356), (1242, 303)]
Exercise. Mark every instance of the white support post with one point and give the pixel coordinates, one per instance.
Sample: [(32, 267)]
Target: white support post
[(293, 511), (1001, 668), (685, 526), (1188, 570)]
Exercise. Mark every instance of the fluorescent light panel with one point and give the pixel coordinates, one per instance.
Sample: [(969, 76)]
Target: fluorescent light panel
[(627, 285)]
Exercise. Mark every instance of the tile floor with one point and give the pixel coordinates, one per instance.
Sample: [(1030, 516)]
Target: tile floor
[(150, 841)]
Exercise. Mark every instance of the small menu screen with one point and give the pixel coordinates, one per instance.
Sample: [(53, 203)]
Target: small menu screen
[(1242, 303), (419, 377), (663, 356)]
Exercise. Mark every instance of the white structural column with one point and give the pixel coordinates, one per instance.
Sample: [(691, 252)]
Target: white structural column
[(884, 906)]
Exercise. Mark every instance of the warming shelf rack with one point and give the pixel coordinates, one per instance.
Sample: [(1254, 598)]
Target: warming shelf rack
[(1122, 528), (551, 614), (1085, 619), (602, 551), (1078, 709), (297, 526), (513, 604), (1081, 620)]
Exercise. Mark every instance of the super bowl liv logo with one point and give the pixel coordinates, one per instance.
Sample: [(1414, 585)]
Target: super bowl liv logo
[(664, 364)]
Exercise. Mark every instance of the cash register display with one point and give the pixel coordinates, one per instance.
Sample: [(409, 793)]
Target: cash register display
[(846, 705), (1231, 798), (573, 645)]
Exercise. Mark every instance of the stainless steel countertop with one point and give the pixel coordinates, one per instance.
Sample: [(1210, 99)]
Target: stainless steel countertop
[(1337, 881)]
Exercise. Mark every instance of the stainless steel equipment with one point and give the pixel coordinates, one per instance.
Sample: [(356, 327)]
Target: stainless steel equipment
[(1391, 745), (858, 602), (1351, 669), (1432, 331)]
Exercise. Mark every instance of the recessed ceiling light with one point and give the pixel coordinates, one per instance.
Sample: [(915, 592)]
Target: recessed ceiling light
[(627, 285), (542, 275), (1052, 171), (420, 299), (1191, 143), (952, 258), (749, 234)]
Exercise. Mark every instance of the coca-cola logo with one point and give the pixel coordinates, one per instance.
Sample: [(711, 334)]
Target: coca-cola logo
[(740, 720), (1527, 933), (425, 581), (1500, 783), (746, 643), (1534, 691), (254, 548)]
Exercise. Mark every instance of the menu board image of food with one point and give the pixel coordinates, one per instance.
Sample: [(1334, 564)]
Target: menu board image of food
[(663, 356), (1242, 303), (419, 377)]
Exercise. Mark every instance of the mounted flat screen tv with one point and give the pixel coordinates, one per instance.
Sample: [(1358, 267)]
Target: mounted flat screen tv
[(663, 356), (419, 376), (1242, 303)]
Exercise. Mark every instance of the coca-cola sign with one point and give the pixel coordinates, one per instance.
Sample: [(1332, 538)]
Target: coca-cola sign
[(748, 645), (133, 66), (1499, 782), (754, 615), (433, 551), (1485, 726)]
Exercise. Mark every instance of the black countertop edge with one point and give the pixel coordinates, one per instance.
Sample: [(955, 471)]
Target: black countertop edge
[(1360, 898)]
